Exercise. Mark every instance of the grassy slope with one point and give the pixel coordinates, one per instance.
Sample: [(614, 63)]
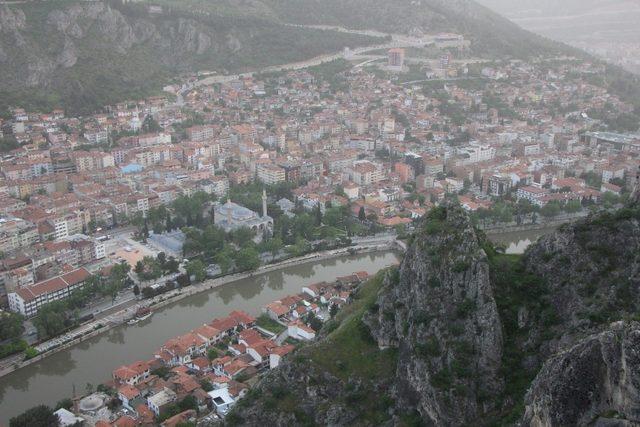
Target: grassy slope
[(348, 353)]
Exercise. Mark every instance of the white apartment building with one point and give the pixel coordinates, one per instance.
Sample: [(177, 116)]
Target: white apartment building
[(27, 300), (270, 174)]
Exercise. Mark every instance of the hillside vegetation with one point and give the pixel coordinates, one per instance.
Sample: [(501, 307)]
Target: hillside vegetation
[(83, 55), (469, 336)]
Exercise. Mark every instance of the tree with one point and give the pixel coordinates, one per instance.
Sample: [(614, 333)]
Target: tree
[(65, 403), (212, 353), (162, 259), (8, 143), (30, 353), (197, 269), (38, 416), (573, 206), (150, 125), (206, 384), (317, 214), (224, 260), (136, 290), (247, 259), (139, 268), (362, 215), (333, 310), (609, 199), (172, 265), (51, 319), (188, 402), (551, 209), (11, 326), (273, 246), (242, 237), (314, 322)]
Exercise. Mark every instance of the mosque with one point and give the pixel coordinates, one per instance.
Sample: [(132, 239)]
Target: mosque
[(231, 216)]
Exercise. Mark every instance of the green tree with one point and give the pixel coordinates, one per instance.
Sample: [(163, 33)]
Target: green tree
[(247, 259), (30, 353), (314, 322), (551, 209), (8, 143), (333, 310), (610, 199), (38, 416), (573, 206), (162, 259), (212, 353), (51, 319), (172, 265), (150, 125), (225, 260), (188, 402), (242, 237), (317, 215), (273, 246), (197, 269), (65, 403), (11, 326), (139, 268)]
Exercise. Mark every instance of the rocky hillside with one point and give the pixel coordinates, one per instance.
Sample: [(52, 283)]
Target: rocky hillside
[(491, 34), (464, 335), (84, 54), (442, 316)]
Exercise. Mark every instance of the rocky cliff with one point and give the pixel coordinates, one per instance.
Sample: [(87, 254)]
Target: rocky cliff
[(597, 382), (87, 54), (443, 318), (463, 335)]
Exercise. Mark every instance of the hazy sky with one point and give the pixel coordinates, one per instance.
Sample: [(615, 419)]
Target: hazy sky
[(607, 28), (575, 20), (532, 8)]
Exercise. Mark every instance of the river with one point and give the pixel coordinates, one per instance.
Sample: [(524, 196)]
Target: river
[(518, 241), (92, 361)]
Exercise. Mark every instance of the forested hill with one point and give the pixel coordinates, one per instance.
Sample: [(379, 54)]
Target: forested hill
[(83, 55)]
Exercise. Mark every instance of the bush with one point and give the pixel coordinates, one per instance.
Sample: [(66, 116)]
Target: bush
[(461, 266), (442, 379), (465, 308), (430, 348), (30, 353)]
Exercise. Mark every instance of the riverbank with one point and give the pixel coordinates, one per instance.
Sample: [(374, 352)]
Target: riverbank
[(105, 324), (94, 359), (512, 228)]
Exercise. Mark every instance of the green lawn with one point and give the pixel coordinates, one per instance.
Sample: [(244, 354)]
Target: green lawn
[(265, 322)]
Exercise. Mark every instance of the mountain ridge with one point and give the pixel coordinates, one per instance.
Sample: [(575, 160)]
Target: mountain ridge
[(84, 55)]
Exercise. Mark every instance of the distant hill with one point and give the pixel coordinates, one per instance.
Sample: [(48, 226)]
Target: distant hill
[(531, 8), (83, 55)]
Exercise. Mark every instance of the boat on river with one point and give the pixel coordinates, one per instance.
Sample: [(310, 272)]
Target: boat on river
[(143, 313)]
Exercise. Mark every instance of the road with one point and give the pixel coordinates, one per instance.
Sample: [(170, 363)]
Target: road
[(397, 40), (125, 305)]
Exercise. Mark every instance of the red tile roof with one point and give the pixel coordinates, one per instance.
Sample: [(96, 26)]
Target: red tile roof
[(29, 293)]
